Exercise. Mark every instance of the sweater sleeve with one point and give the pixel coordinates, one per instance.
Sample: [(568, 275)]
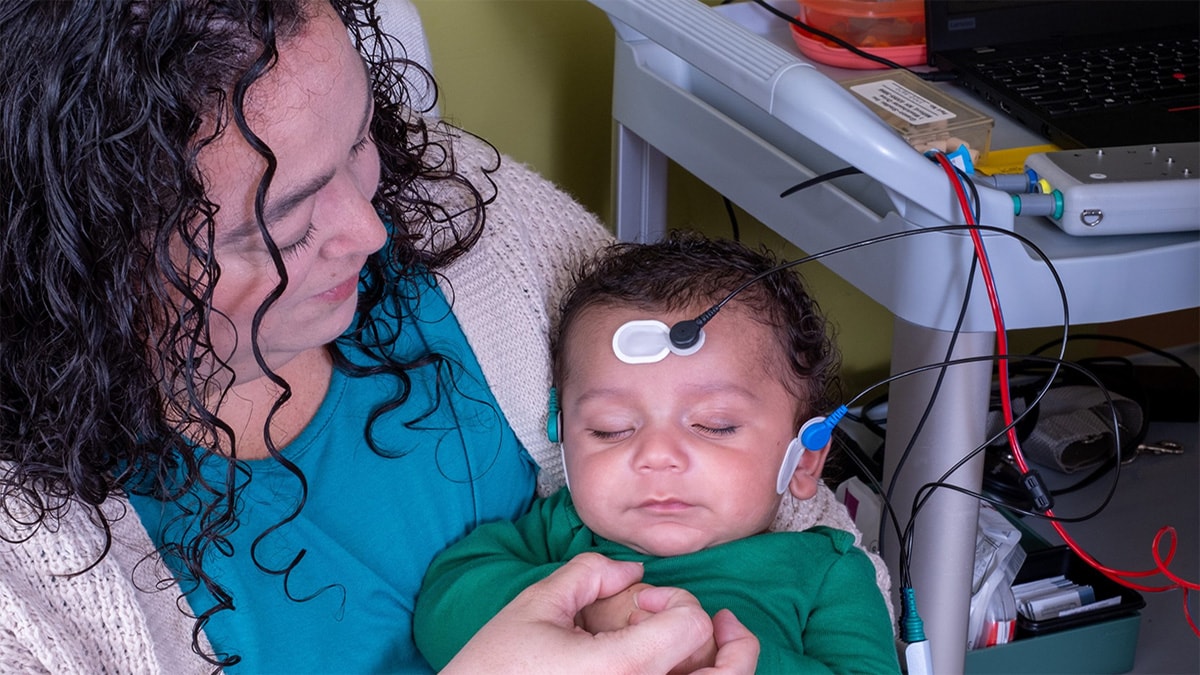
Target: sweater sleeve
[(472, 580), (61, 611)]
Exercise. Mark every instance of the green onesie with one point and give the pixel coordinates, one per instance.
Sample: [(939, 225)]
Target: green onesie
[(810, 597)]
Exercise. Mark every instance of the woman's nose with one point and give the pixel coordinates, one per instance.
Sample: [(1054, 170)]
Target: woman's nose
[(357, 226)]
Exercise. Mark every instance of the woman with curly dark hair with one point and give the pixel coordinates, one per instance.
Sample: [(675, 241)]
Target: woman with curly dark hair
[(238, 416)]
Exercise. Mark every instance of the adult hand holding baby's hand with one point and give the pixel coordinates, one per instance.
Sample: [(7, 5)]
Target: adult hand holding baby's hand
[(731, 648), (536, 632), (625, 608), (613, 613)]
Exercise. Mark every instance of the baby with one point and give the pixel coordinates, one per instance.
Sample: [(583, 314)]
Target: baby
[(677, 456)]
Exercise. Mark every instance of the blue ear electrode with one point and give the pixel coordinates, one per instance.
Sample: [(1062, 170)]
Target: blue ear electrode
[(562, 457), (814, 435), (554, 432), (791, 458)]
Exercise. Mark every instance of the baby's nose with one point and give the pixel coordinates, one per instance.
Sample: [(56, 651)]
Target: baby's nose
[(659, 451)]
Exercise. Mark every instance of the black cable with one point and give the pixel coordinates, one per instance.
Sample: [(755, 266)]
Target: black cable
[(1139, 436), (931, 77), (1008, 486), (933, 395), (692, 328), (870, 423), (1108, 400), (974, 201), (1113, 418), (874, 483), (979, 448), (1141, 400), (712, 311), (707, 315), (733, 222), (906, 546), (836, 173), (1124, 340)]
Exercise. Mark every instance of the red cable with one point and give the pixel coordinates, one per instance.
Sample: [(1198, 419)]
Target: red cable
[(1161, 565), (994, 300)]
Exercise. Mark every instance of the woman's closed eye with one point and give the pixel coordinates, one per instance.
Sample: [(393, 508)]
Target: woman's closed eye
[(361, 145), (294, 249)]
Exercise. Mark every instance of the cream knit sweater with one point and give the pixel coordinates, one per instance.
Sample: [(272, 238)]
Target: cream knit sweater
[(505, 293)]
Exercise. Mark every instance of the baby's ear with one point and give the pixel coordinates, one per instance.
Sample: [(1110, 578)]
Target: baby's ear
[(807, 476)]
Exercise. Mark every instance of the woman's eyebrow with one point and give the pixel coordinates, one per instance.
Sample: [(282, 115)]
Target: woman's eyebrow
[(277, 209)]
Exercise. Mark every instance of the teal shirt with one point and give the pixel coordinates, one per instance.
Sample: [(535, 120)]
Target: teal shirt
[(371, 524), (810, 597)]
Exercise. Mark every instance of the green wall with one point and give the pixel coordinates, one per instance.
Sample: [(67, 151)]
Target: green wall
[(534, 77)]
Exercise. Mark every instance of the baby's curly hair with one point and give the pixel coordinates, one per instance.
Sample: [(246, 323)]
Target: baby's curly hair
[(687, 269), (105, 349)]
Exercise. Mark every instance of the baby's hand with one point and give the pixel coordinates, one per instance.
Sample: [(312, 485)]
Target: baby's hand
[(656, 599), (612, 613)]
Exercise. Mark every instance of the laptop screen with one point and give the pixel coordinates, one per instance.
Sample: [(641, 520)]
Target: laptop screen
[(968, 24)]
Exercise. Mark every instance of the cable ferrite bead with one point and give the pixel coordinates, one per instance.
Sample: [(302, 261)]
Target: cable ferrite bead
[(1042, 499)]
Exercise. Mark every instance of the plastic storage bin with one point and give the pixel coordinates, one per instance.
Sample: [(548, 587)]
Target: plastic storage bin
[(1103, 641)]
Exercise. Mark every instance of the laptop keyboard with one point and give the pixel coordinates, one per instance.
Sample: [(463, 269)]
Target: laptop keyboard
[(1166, 71)]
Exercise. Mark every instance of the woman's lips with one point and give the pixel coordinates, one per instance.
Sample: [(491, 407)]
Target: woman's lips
[(342, 291)]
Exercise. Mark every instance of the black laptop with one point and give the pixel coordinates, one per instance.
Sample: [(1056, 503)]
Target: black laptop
[(1090, 74)]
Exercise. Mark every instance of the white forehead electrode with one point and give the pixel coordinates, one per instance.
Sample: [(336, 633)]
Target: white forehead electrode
[(648, 341)]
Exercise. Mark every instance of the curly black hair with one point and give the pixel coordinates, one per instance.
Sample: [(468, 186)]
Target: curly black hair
[(687, 269), (104, 108)]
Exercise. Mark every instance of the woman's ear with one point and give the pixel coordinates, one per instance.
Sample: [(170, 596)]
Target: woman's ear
[(807, 475)]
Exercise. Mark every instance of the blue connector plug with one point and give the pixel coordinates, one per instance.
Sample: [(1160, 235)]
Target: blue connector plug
[(816, 436)]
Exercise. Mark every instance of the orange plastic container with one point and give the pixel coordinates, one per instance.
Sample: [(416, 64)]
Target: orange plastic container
[(892, 29)]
